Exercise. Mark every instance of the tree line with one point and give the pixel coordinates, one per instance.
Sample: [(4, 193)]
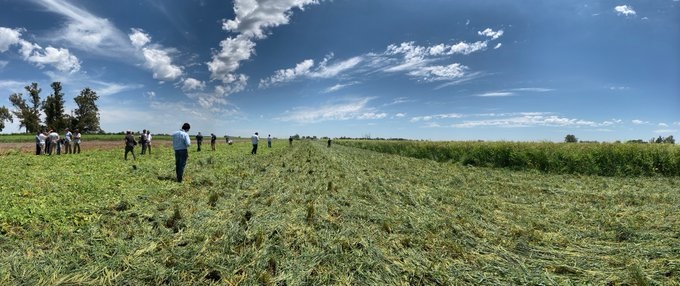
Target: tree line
[(29, 110)]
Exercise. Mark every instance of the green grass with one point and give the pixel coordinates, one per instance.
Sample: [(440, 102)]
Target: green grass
[(311, 215), (604, 159)]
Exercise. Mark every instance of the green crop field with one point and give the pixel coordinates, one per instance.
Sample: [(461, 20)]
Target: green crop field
[(311, 215)]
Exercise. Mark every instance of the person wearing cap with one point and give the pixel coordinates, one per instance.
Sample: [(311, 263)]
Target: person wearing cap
[(254, 139), (180, 143)]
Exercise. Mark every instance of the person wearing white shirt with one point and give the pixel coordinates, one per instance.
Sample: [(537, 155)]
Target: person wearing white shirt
[(255, 139)]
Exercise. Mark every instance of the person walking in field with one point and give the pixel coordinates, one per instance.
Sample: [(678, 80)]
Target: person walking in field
[(148, 141), (199, 141), (130, 145), (180, 143), (213, 140), (76, 141), (269, 140), (254, 139)]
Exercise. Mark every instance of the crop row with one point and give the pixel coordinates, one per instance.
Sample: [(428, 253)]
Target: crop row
[(560, 158)]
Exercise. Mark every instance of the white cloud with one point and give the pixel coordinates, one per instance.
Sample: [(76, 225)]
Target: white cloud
[(160, 63), (491, 33), (619, 88), (639, 122), (436, 116), (533, 89), (329, 71), (400, 115), (529, 121), (111, 88), (286, 75), (59, 58), (498, 46), (88, 32), (252, 19), (339, 86), (192, 84), (150, 94), (624, 10), (351, 109), (496, 94), (439, 73), (9, 37), (663, 124), (138, 38)]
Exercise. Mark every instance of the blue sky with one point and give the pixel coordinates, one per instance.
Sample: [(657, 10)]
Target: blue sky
[(437, 69)]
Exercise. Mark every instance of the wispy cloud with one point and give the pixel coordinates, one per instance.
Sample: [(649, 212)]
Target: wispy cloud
[(509, 120), (344, 110), (339, 86), (307, 69), (110, 88), (491, 33), (88, 32), (436, 116), (639, 122), (496, 94)]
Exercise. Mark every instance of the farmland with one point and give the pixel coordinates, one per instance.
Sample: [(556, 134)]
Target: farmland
[(311, 215)]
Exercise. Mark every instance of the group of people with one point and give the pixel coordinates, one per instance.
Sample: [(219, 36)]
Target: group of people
[(52, 142), (255, 139), (130, 143)]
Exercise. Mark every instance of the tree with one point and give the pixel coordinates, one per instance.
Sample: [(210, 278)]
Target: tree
[(28, 115), (87, 113), (4, 116), (669, 140), (53, 107), (570, 138)]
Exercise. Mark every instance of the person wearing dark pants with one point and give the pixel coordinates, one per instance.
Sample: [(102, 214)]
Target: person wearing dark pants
[(199, 141), (130, 145), (255, 139), (180, 143)]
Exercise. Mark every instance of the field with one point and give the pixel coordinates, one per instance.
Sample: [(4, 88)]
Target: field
[(311, 215)]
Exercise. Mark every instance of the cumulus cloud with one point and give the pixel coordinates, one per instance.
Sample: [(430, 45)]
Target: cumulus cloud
[(138, 38), (350, 109), (491, 33), (59, 58), (192, 84), (9, 37), (639, 122), (251, 22), (625, 10), (156, 58)]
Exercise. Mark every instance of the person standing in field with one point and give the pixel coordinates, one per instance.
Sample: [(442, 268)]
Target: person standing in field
[(41, 142), (213, 140), (68, 138), (54, 140), (254, 139), (143, 141), (148, 141), (76, 142), (269, 140), (180, 143), (290, 141), (37, 143), (199, 141), (329, 142), (130, 145)]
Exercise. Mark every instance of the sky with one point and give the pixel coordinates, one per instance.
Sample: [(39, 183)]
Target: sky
[(419, 69)]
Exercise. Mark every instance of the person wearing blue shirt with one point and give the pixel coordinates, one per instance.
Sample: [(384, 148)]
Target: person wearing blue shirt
[(180, 143)]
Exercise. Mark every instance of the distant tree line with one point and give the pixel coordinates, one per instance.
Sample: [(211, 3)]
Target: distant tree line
[(29, 110)]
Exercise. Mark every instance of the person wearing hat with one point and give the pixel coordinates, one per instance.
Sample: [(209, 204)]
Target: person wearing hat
[(180, 143)]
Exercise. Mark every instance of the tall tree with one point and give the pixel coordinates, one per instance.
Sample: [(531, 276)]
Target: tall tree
[(53, 106), (4, 116), (87, 113), (28, 113)]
